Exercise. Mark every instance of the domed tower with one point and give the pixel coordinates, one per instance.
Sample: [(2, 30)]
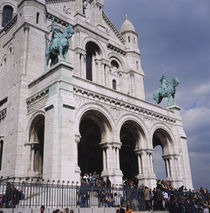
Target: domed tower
[(133, 59)]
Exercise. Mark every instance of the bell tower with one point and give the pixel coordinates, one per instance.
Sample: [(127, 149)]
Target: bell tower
[(133, 59)]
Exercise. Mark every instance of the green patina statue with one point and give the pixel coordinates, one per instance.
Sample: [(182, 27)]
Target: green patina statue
[(58, 45), (167, 89)]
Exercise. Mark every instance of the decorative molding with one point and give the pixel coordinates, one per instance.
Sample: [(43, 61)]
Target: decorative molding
[(37, 101), (116, 49), (3, 114), (57, 1), (3, 101), (116, 32), (37, 96), (57, 20), (123, 105), (9, 25)]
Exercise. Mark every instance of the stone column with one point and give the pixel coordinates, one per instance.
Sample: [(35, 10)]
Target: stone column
[(96, 73), (139, 163), (32, 158), (78, 64), (83, 66), (112, 162), (104, 160), (77, 140)]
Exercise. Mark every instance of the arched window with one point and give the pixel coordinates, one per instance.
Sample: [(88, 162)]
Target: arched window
[(92, 50), (1, 152), (114, 64), (7, 15), (114, 84), (36, 138)]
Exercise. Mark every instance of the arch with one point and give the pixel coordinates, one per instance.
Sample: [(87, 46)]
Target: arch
[(162, 136), (36, 142), (7, 14), (90, 39), (165, 131), (133, 138), (93, 53), (131, 117), (32, 117), (95, 130), (118, 58), (92, 106)]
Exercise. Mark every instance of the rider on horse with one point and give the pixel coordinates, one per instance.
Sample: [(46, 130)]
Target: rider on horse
[(55, 36), (164, 83)]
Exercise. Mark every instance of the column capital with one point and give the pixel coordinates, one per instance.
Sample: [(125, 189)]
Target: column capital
[(168, 156), (105, 145), (80, 51), (143, 151)]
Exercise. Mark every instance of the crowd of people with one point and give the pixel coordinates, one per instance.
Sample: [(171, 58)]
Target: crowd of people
[(134, 197), (95, 190), (12, 197)]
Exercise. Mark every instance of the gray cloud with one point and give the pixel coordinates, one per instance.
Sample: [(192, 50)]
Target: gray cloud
[(174, 38)]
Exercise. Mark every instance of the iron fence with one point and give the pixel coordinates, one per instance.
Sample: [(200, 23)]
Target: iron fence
[(32, 193)]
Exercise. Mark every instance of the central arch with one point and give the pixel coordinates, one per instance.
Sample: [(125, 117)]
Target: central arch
[(130, 135), (94, 129)]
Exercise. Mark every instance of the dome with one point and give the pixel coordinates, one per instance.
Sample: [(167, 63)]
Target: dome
[(127, 26)]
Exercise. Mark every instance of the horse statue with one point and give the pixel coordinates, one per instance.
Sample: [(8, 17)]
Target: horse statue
[(167, 89), (58, 45)]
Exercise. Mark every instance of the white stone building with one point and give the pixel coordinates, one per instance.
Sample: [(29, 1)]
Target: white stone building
[(87, 114)]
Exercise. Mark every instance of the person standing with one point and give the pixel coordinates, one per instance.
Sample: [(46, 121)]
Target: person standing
[(128, 209), (120, 210), (42, 208), (147, 198)]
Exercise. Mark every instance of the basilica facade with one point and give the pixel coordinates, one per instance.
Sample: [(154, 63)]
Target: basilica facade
[(85, 114)]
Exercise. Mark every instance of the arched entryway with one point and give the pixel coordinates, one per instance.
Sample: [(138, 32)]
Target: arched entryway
[(36, 142), (131, 136), (94, 129), (162, 144)]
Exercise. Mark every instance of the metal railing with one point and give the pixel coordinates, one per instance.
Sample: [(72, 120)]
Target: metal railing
[(32, 193)]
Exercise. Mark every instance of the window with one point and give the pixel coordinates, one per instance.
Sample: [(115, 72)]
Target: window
[(114, 84), (37, 18), (129, 39), (114, 64), (137, 65), (1, 153), (7, 15), (92, 51)]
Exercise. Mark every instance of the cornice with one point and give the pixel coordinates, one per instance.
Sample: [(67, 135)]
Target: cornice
[(122, 104), (37, 96), (3, 114)]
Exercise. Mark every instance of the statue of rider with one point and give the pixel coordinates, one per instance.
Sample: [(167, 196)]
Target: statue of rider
[(56, 35), (164, 82)]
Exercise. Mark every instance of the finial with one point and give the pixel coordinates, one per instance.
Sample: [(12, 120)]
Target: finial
[(126, 17)]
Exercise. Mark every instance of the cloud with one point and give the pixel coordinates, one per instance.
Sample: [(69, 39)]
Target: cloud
[(196, 120)]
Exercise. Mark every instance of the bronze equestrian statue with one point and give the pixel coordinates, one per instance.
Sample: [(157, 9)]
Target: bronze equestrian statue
[(167, 89), (59, 44)]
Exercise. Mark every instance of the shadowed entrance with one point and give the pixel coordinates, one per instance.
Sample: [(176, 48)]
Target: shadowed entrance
[(90, 154), (128, 158)]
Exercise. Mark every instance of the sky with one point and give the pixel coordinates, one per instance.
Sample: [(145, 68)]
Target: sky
[(174, 39)]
